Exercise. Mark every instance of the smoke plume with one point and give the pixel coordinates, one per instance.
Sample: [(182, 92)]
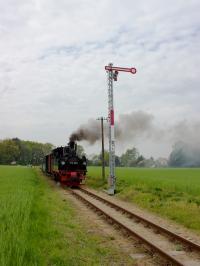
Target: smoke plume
[(128, 127), (183, 137), (187, 132), (140, 124), (89, 131)]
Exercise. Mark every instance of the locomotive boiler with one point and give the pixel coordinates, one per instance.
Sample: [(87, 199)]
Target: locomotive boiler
[(65, 165)]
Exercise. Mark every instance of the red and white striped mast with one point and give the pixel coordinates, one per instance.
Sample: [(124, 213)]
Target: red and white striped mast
[(112, 75)]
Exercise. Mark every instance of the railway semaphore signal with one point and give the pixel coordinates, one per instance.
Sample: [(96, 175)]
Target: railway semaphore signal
[(112, 75)]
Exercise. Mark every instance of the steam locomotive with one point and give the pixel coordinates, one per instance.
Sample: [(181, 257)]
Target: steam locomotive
[(66, 167)]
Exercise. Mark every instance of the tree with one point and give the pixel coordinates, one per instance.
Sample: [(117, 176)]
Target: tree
[(9, 151), (140, 161), (177, 157), (106, 157), (185, 155), (95, 160), (130, 157), (23, 152), (149, 162), (117, 160), (80, 150)]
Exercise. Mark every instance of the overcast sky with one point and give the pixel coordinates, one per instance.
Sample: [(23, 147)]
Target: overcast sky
[(52, 58)]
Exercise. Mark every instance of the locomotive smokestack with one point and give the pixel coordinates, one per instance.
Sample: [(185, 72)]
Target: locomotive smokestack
[(72, 144)]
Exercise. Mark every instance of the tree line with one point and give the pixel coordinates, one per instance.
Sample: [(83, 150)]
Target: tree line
[(182, 155), (16, 151), (29, 152), (131, 158)]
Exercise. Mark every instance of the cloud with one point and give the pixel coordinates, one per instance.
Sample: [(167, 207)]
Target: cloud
[(52, 58)]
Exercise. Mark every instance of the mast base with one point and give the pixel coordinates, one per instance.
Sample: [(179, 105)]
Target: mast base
[(111, 191)]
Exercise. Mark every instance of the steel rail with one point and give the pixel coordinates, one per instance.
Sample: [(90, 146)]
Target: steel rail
[(130, 231), (189, 243)]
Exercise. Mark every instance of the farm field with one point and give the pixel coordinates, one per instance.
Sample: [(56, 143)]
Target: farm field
[(38, 228), (172, 193)]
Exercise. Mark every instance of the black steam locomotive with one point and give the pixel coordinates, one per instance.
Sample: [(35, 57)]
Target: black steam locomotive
[(66, 167)]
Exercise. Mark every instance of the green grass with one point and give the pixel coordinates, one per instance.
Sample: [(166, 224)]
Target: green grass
[(172, 193), (37, 227)]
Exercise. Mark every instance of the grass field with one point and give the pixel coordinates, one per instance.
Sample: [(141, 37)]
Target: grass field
[(38, 228), (172, 193)]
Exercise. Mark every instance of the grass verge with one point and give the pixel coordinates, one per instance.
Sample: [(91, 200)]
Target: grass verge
[(172, 193), (38, 228)]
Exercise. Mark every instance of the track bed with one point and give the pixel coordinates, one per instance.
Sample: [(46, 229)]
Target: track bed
[(175, 249)]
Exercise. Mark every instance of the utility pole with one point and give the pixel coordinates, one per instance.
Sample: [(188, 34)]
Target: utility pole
[(112, 73), (102, 151)]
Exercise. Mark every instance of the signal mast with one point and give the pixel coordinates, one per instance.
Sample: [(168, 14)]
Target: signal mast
[(112, 73)]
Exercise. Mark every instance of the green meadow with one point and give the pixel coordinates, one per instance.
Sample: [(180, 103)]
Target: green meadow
[(38, 227), (172, 193)]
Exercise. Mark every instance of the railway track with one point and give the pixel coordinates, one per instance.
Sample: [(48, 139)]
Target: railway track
[(175, 249)]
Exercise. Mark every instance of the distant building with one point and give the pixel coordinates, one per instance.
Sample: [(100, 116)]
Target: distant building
[(161, 162)]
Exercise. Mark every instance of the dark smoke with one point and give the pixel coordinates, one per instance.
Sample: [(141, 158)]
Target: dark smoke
[(139, 124), (187, 132), (128, 127), (89, 132)]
